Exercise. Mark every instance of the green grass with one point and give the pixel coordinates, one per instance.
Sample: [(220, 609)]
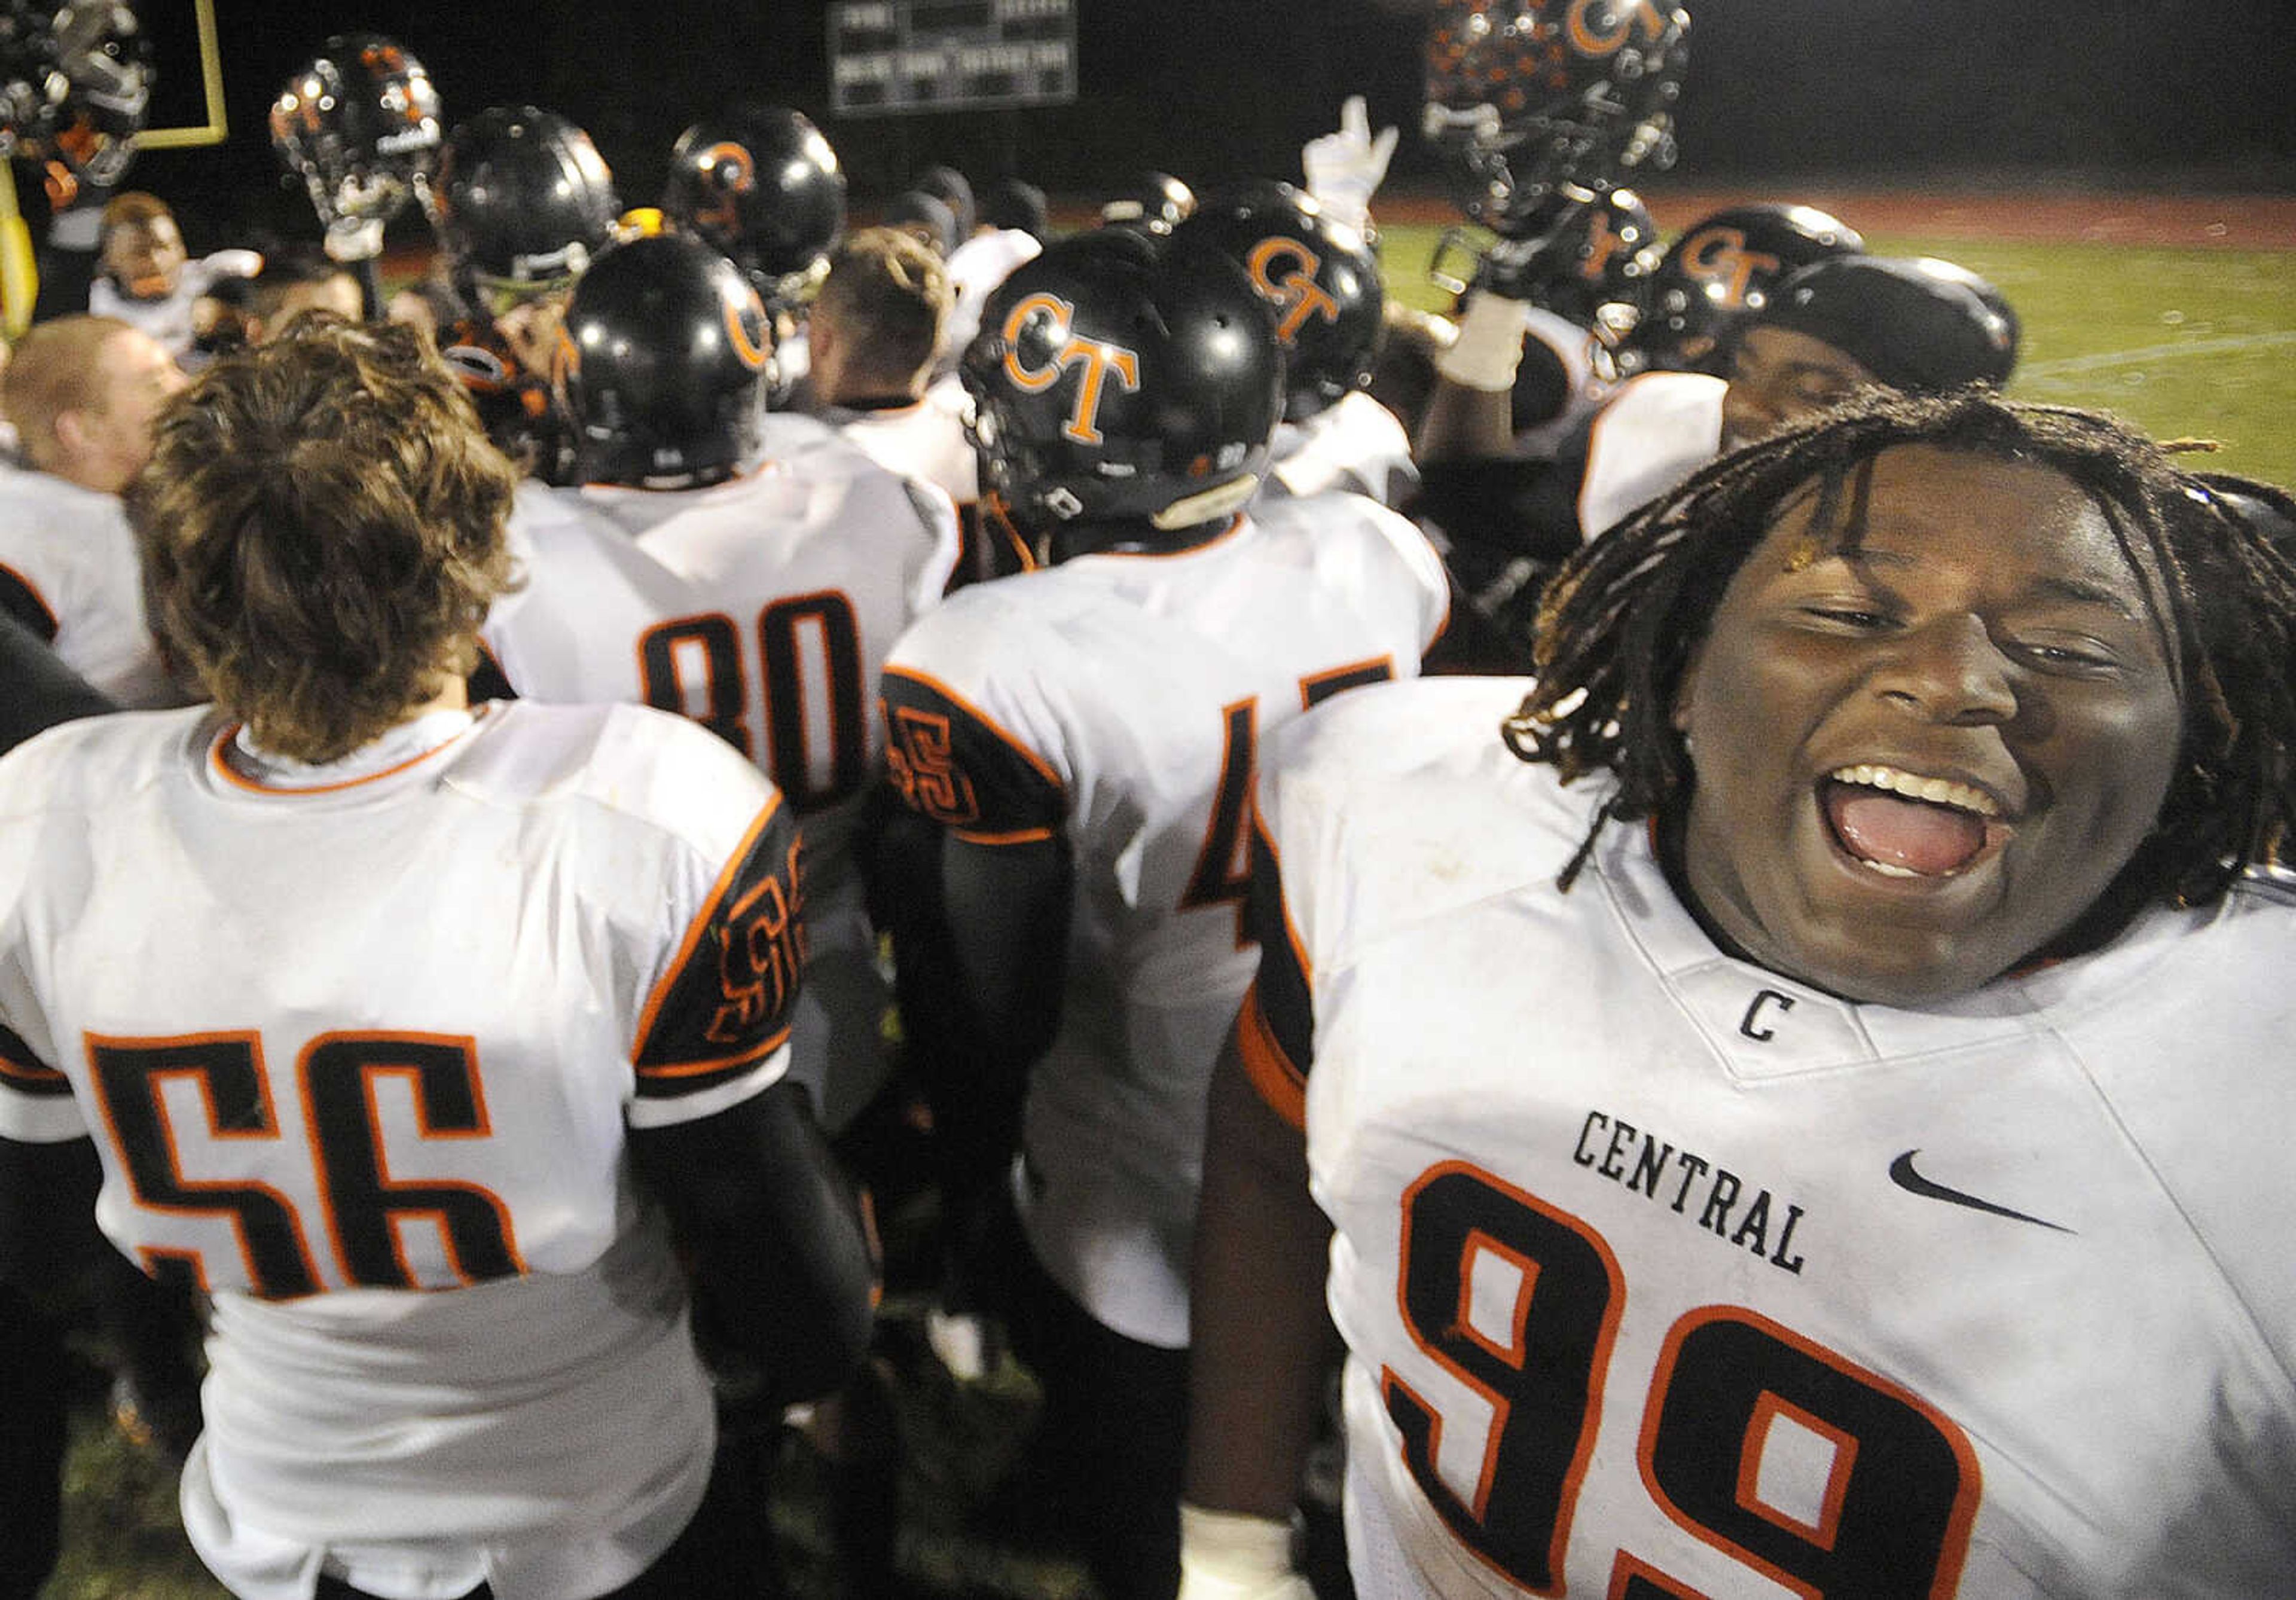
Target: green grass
[(2179, 342)]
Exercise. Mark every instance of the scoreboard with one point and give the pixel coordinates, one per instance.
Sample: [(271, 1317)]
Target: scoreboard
[(886, 57)]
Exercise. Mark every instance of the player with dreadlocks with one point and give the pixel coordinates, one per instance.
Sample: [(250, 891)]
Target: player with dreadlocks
[(1616, 637), (1854, 1177)]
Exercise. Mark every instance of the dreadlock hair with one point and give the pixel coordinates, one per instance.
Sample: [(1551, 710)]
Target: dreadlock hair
[(1621, 621)]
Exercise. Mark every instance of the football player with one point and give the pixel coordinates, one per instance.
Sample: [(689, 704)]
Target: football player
[(877, 331), (1794, 1097), (762, 185), (1721, 266), (451, 1033), (145, 278), (1080, 741), (81, 393), (751, 580), (37, 692), (522, 202), (1322, 281), (1912, 323)]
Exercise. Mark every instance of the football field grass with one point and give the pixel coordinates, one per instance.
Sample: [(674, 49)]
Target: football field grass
[(2181, 342)]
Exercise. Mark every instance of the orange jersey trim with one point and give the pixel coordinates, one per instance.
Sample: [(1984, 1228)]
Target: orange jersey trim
[(723, 1063), (216, 759), (1005, 735), (44, 1077), (1018, 836), (1281, 1085), (685, 946)]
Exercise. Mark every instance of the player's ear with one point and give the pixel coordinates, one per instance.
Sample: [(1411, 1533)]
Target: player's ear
[(72, 433)]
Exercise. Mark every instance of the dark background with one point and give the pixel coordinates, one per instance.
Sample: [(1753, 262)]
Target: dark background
[(2167, 93)]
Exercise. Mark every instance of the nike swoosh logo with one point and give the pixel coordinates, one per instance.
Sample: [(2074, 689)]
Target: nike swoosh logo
[(1902, 1174)]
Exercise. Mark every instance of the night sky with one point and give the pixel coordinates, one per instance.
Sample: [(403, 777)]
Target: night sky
[(2164, 91)]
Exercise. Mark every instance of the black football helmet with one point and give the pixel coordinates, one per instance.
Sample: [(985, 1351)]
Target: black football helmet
[(1586, 249), (1524, 95), (761, 184), (1319, 277), (662, 363), (523, 201), (1123, 377), (1724, 265), (1154, 202), (361, 126)]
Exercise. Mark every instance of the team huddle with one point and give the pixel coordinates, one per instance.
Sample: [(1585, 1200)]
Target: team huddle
[(1620, 943)]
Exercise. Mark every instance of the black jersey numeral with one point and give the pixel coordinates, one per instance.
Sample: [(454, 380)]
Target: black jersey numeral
[(809, 670), (1518, 1301), (362, 1207), (1222, 875)]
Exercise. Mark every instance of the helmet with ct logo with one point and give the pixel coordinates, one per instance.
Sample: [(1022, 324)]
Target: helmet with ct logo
[(1317, 273), (1724, 265), (1586, 249), (1525, 94), (1122, 377), (523, 201), (662, 364), (761, 184)]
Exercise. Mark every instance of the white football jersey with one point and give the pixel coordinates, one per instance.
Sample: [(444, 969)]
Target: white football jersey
[(924, 439), (761, 607), (1653, 432), (1663, 1274), (358, 1045), (69, 572), (1356, 445), (1116, 701)]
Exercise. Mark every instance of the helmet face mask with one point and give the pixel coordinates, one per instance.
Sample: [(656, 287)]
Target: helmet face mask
[(1523, 96), (663, 363), (1120, 377), (361, 126)]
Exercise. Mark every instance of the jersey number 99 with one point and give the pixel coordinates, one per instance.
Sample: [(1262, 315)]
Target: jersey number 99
[(1519, 1301)]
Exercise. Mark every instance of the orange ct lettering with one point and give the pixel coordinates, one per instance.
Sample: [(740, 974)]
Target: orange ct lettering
[(1097, 360), (1298, 293), (1721, 257)]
